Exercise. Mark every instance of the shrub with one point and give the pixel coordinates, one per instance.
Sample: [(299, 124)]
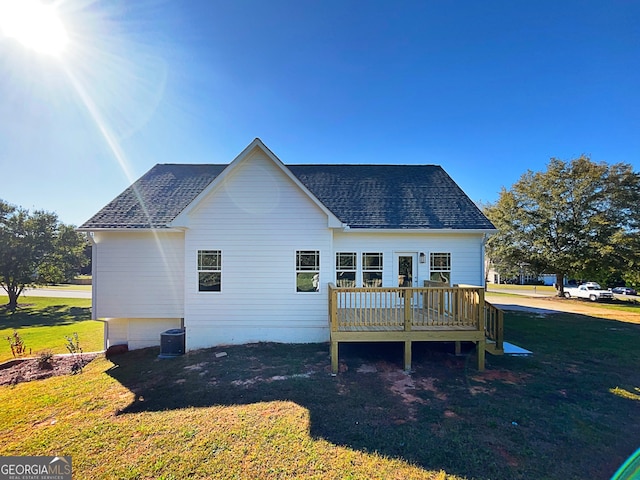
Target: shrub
[(73, 345), (45, 360), (18, 347)]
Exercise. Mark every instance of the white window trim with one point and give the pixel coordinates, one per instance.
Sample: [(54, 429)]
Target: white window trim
[(338, 269), (440, 269), (198, 271), (297, 271), (364, 270)]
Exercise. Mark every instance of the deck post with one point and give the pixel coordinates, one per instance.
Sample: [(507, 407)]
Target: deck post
[(333, 326), (334, 357), (333, 308), (481, 352), (458, 347), (408, 295), (407, 355), (482, 342), (500, 331)]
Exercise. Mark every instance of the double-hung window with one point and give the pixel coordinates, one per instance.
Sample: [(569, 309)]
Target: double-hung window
[(441, 268), (372, 269), (307, 271), (345, 269), (209, 270)]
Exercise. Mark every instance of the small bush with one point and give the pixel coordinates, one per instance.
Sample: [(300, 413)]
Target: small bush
[(45, 360), (18, 348), (73, 345)]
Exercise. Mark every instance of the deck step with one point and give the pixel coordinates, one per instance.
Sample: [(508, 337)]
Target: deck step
[(490, 347)]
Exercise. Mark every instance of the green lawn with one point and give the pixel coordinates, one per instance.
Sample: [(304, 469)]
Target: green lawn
[(532, 288), (43, 322), (274, 411), (620, 303)]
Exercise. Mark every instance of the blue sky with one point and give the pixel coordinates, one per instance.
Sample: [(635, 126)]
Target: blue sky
[(487, 89)]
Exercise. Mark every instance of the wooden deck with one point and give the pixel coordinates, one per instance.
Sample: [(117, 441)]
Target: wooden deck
[(458, 314)]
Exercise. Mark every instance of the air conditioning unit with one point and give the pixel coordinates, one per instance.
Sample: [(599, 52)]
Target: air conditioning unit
[(172, 343)]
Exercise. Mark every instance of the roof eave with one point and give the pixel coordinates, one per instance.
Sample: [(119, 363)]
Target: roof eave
[(437, 231), (128, 229)]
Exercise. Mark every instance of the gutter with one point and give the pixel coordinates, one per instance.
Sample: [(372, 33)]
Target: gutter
[(437, 231), (130, 229)]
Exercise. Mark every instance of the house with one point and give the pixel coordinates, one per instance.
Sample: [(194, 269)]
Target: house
[(249, 251)]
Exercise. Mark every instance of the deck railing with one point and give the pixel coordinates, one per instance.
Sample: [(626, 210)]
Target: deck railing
[(405, 308), (494, 325), (430, 313)]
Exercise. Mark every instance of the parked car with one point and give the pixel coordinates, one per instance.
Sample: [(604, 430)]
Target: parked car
[(624, 291)]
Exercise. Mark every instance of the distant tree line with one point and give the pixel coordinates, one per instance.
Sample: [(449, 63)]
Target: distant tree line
[(578, 219), (37, 249)]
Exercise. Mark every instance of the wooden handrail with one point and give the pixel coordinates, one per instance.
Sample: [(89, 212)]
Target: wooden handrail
[(494, 324), (405, 308)]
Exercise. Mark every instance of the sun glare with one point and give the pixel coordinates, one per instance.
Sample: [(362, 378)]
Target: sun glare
[(35, 25)]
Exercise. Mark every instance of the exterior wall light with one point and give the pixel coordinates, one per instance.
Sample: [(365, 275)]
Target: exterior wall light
[(423, 257)]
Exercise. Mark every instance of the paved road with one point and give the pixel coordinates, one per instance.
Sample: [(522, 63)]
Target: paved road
[(526, 292), (54, 292)]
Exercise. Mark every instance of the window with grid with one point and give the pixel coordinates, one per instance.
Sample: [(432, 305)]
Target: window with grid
[(372, 269), (441, 268), (209, 270), (345, 269), (307, 271)]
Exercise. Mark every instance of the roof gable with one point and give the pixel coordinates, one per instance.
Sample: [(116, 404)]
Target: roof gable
[(181, 220), (398, 197)]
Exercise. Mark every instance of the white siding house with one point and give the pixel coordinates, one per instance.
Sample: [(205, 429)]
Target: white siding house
[(245, 252)]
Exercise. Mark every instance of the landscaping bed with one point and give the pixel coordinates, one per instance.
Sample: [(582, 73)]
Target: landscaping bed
[(29, 369)]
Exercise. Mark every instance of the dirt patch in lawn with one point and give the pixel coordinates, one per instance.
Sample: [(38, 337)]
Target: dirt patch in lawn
[(28, 369)]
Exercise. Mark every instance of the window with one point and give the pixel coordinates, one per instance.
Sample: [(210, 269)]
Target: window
[(345, 269), (441, 268), (209, 270), (307, 271), (371, 269)]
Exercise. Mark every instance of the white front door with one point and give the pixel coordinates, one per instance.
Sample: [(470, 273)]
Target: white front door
[(406, 267)]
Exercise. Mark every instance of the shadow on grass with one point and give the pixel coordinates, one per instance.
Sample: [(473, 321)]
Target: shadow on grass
[(27, 315), (370, 406), (550, 416)]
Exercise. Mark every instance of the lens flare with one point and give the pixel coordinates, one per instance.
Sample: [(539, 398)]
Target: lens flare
[(33, 24)]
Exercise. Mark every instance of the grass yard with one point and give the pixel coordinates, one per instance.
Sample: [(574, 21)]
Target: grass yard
[(35, 318), (274, 411), (506, 287)]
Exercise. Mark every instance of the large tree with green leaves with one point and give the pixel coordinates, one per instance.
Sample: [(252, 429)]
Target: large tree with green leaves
[(578, 218), (35, 249)]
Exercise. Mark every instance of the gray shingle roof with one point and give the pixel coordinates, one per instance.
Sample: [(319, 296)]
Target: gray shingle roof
[(156, 198), (362, 196), (392, 196)]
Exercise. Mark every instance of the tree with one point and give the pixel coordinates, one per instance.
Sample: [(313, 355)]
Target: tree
[(67, 258), (578, 218), (34, 249)]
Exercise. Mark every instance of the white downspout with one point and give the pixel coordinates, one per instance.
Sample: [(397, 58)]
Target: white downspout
[(483, 253), (94, 290)]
